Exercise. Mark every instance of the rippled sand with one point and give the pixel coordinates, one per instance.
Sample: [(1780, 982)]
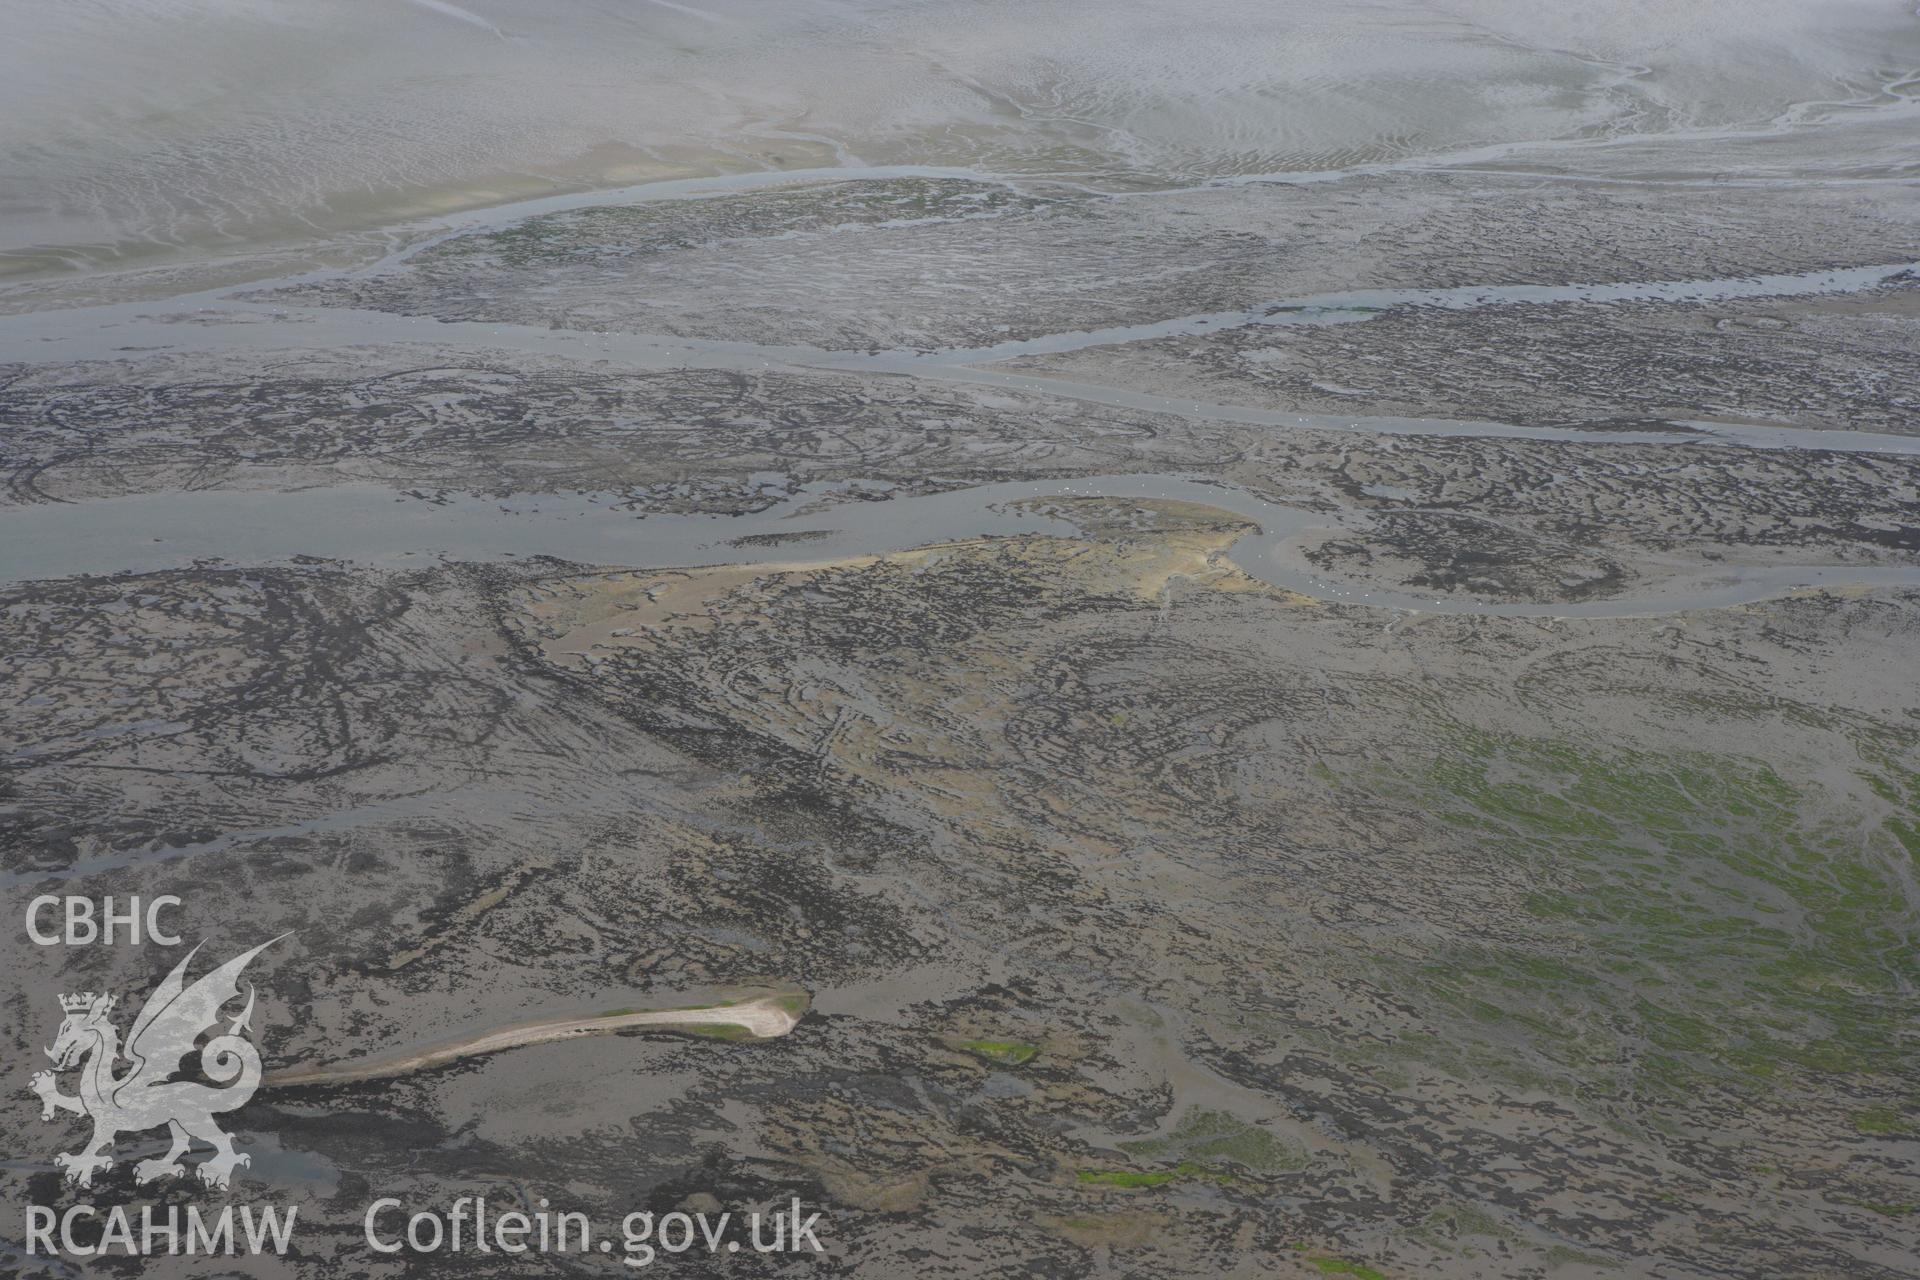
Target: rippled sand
[(130, 129)]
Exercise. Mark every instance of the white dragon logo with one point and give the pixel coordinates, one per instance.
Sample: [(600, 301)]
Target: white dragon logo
[(149, 1094)]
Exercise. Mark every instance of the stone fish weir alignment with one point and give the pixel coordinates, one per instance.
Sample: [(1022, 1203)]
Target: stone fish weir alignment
[(761, 1017)]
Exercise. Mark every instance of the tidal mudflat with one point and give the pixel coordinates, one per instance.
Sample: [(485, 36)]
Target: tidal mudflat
[(1126, 693)]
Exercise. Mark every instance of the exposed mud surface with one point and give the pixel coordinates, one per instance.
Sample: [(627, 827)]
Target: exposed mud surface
[(923, 265), (1159, 917), (1793, 362)]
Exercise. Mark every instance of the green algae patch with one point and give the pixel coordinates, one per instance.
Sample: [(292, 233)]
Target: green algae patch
[(1884, 1208), (796, 1003), (1722, 916), (1208, 1137), (1881, 1121), (1345, 1267), (715, 1030), (1124, 1177), (1185, 1171), (1011, 1053)]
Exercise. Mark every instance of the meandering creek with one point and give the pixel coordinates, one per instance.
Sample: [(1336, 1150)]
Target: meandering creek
[(369, 524)]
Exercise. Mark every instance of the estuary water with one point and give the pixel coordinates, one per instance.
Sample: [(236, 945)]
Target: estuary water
[(370, 524), (134, 130)]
